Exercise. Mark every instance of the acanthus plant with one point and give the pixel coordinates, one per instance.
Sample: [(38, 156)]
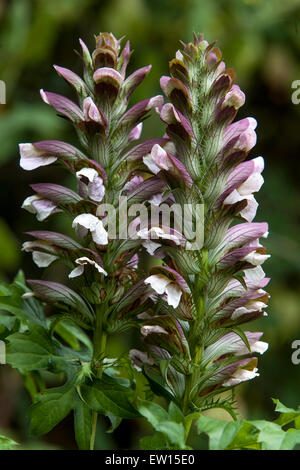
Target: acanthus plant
[(191, 305), (194, 347), (106, 295)]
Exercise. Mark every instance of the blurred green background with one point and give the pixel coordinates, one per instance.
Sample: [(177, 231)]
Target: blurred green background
[(261, 40)]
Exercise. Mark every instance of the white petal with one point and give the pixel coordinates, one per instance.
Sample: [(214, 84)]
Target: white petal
[(150, 164), (44, 96), (27, 203), (76, 272), (84, 223), (255, 274), (44, 208), (256, 259), (241, 375), (43, 260), (85, 260), (96, 189), (232, 198), (156, 199), (138, 358), (149, 329), (259, 347), (174, 293), (89, 173), (259, 164), (251, 185), (99, 234), (151, 246), (251, 306), (249, 212), (158, 282), (135, 133), (31, 158)]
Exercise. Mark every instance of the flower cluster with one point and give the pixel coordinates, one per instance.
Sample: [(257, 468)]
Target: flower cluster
[(192, 336), (107, 165)]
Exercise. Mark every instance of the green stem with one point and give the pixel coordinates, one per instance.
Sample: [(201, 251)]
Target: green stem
[(99, 353)]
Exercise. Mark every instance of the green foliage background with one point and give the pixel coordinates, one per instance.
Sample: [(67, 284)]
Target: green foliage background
[(261, 40)]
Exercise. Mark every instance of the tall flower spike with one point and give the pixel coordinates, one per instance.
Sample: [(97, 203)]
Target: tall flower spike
[(224, 278), (108, 164)]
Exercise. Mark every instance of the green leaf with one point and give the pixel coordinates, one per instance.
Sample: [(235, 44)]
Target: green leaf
[(220, 433), (153, 412), (30, 350), (53, 407), (156, 442), (6, 443), (108, 397), (287, 414), (246, 437), (175, 432), (25, 310), (170, 424), (272, 437), (35, 349), (175, 413), (115, 422), (82, 424)]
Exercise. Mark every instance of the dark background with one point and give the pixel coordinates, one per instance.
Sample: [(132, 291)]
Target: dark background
[(260, 39)]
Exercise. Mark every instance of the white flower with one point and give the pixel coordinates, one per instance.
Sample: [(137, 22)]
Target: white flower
[(32, 158), (42, 208), (158, 160), (138, 358), (255, 274), (91, 112), (240, 375), (156, 199), (151, 246), (255, 258), (43, 260), (85, 223), (136, 132), (163, 285), (157, 232), (149, 329), (246, 189), (83, 262), (90, 184), (252, 306)]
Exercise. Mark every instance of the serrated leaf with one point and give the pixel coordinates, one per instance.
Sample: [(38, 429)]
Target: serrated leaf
[(53, 407), (82, 424), (31, 350), (287, 414), (36, 349), (108, 398), (272, 437)]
